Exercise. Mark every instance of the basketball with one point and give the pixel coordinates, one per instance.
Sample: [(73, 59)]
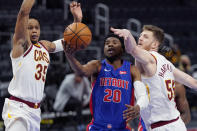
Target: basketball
[(78, 35)]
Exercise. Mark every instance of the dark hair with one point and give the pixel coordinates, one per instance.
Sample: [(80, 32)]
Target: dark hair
[(34, 19), (157, 32), (116, 36)]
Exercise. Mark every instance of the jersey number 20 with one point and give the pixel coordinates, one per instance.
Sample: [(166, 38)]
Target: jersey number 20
[(114, 95)]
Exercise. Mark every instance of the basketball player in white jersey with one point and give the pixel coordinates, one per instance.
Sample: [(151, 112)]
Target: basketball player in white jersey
[(30, 60), (159, 75)]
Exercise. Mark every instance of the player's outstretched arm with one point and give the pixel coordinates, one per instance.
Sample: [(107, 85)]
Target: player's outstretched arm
[(182, 103), (131, 47), (140, 93), (91, 68), (21, 39), (87, 70), (56, 46), (185, 79)]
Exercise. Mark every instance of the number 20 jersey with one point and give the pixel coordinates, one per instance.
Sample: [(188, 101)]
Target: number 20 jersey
[(111, 91), (29, 73)]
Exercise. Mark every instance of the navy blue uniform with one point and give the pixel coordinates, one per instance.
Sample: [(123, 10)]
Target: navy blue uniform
[(111, 91)]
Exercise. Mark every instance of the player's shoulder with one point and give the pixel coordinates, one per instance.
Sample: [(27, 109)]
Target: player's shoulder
[(95, 62)]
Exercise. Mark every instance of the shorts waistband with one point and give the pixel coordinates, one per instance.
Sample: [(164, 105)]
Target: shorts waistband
[(162, 123), (30, 104)]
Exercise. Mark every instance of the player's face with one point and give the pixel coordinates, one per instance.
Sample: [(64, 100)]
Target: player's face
[(34, 30), (112, 47), (146, 40)]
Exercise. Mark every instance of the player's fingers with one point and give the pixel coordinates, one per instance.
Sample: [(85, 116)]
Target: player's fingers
[(113, 29), (125, 37), (121, 35), (128, 119), (127, 105), (129, 113), (78, 4), (73, 3)]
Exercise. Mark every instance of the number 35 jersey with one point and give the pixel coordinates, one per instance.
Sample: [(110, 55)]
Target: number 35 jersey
[(111, 91), (29, 73)]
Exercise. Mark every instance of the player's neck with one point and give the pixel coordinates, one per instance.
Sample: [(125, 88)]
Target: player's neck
[(116, 63)]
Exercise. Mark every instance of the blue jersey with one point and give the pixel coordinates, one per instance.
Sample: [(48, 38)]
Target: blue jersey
[(112, 89)]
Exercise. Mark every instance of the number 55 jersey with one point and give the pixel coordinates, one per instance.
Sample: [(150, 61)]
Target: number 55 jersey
[(162, 106)]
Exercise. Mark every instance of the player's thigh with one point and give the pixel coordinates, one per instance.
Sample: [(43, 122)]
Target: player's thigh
[(17, 125)]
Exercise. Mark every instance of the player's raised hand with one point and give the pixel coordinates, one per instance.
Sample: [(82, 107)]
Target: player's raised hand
[(76, 11), (129, 40), (121, 32), (131, 112), (67, 48)]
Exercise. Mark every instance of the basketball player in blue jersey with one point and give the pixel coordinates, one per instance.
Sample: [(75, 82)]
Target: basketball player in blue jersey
[(113, 83), (30, 60)]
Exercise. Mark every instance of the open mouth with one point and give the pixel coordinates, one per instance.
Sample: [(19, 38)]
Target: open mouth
[(34, 37), (110, 51)]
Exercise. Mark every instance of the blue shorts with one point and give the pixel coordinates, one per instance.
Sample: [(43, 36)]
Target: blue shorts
[(96, 127)]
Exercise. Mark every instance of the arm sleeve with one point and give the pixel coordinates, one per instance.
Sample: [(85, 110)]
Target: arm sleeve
[(58, 45), (141, 94)]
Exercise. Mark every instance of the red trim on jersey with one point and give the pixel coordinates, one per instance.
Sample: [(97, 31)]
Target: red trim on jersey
[(140, 128), (154, 58), (90, 105), (43, 46), (128, 127), (91, 123), (28, 50), (162, 123), (132, 97), (30, 104)]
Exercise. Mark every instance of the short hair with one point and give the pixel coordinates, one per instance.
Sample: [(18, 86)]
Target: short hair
[(157, 32), (116, 36)]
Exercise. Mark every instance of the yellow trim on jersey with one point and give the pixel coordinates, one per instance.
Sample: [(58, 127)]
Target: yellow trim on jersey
[(148, 91), (37, 45)]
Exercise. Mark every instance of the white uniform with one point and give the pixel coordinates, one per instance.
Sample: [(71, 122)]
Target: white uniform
[(29, 75), (162, 106)]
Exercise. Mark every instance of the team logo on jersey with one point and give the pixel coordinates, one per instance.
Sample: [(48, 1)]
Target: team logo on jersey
[(122, 72), (106, 70)]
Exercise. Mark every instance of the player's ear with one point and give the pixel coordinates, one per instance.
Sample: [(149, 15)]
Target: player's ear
[(155, 44)]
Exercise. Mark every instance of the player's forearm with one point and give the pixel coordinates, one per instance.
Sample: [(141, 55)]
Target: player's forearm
[(76, 65), (26, 7), (77, 19), (186, 117), (139, 54)]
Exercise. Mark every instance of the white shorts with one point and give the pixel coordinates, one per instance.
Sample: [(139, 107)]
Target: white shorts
[(18, 116), (178, 125)]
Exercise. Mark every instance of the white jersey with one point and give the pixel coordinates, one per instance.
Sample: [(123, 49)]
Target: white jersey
[(29, 74), (162, 106)]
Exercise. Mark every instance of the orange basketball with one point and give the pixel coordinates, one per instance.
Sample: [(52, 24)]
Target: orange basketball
[(78, 35)]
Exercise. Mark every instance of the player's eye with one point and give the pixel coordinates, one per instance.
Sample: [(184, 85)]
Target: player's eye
[(30, 27)]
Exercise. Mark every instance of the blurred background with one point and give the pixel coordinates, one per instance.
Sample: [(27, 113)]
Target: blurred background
[(178, 18)]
